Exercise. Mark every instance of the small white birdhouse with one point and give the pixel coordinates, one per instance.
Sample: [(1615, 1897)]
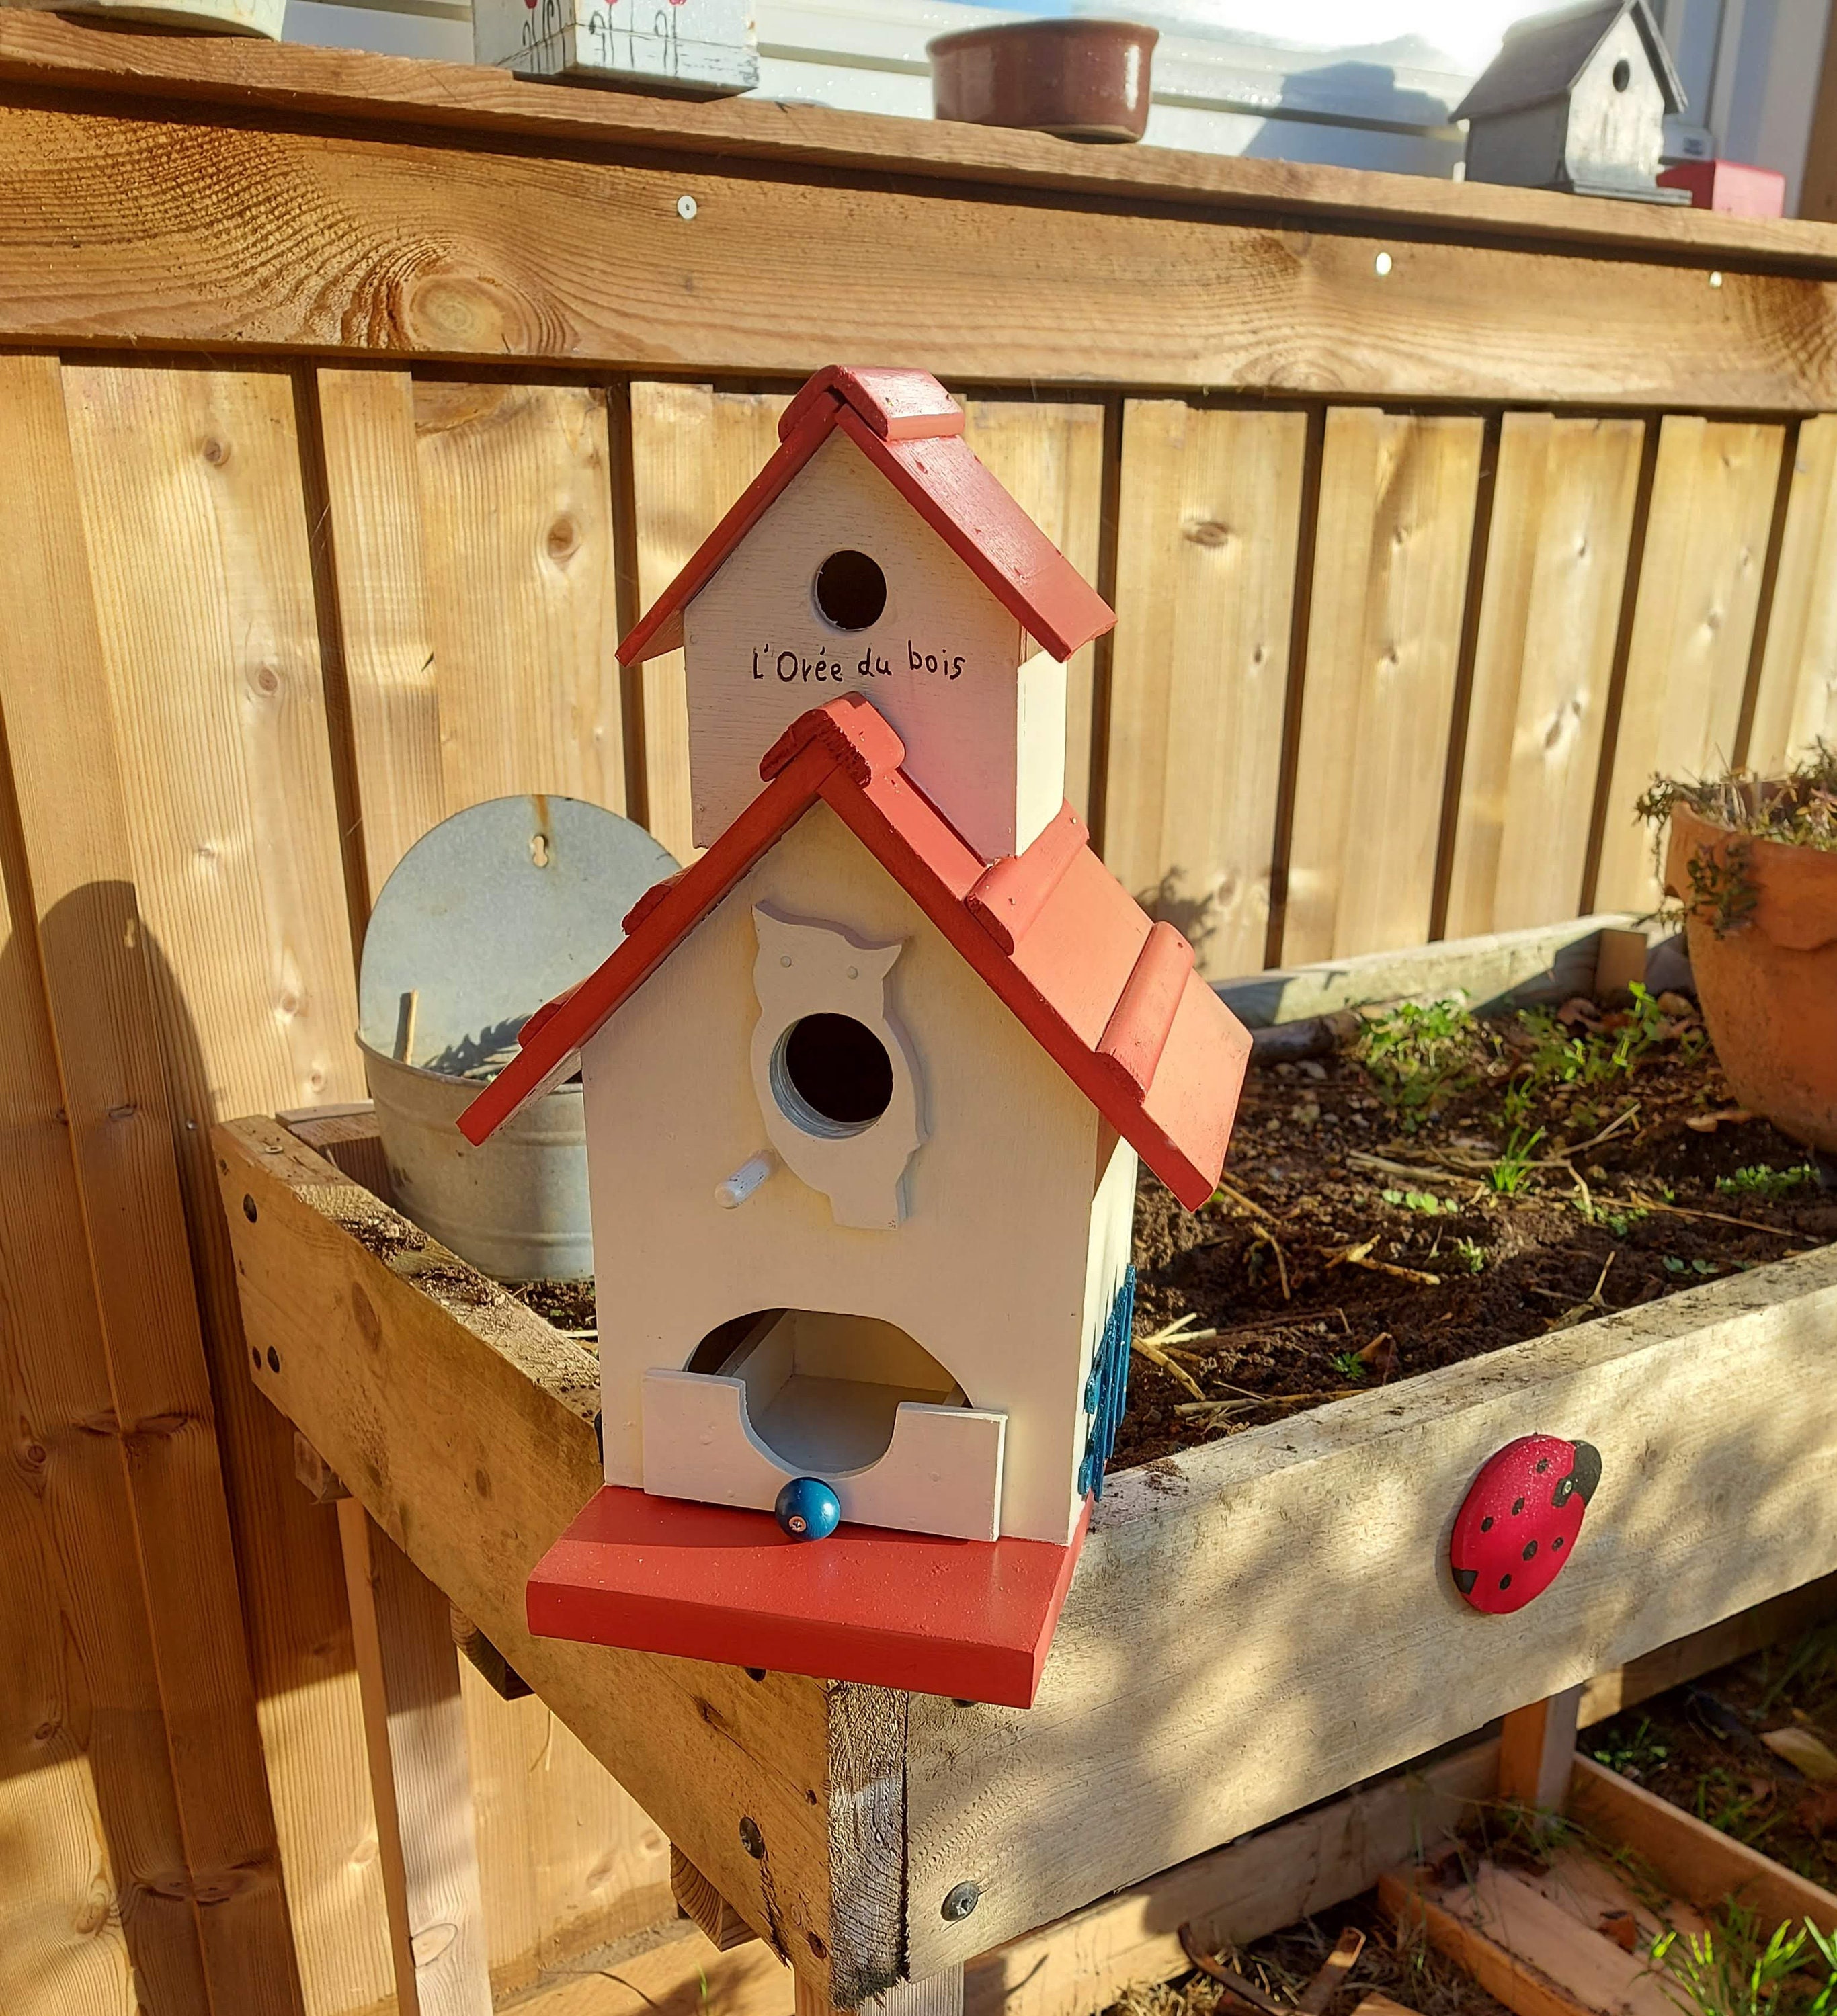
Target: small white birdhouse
[(1576, 100), (692, 49), (866, 1085)]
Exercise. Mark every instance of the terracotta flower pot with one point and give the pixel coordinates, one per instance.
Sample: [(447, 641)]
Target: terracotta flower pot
[(1081, 80), (1768, 984)]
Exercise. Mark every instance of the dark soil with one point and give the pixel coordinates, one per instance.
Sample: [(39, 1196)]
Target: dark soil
[(1394, 1964), (1700, 1747), (1335, 1173)]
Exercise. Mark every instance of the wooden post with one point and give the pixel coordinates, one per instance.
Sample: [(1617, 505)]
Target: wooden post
[(939, 1994), (414, 1727), (1537, 1750)]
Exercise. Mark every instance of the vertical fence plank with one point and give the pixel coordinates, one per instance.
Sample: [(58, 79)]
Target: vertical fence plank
[(374, 496), (517, 510), (1050, 458), (191, 492), (694, 450), (1713, 490), (1396, 514), (95, 1908), (75, 841), (1556, 563), (1210, 513), (555, 1833), (1796, 702)]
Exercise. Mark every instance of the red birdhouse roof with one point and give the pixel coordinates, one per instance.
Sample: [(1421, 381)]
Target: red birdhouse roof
[(911, 429), (1112, 998)]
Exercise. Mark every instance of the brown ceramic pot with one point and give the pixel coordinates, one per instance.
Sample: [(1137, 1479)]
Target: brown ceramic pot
[(1769, 986), (1081, 80)]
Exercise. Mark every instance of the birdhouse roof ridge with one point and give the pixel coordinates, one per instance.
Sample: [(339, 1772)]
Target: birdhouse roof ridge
[(911, 430), (1112, 998), (1544, 56)]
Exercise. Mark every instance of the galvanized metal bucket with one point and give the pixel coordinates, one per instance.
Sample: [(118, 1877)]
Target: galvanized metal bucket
[(497, 910)]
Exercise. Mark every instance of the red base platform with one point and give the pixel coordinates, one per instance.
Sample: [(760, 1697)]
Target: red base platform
[(968, 1619)]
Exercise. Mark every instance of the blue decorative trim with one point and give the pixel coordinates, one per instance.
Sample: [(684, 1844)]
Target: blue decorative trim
[(1106, 1392)]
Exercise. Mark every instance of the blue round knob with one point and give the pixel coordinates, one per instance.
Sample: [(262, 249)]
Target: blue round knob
[(807, 1509)]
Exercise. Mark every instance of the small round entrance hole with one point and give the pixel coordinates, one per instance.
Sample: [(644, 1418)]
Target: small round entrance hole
[(832, 1075), (851, 590), (1623, 74)]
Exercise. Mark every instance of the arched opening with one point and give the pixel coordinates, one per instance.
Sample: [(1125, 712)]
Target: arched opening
[(824, 1390)]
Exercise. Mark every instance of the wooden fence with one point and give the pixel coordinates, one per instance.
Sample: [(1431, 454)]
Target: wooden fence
[(1403, 628)]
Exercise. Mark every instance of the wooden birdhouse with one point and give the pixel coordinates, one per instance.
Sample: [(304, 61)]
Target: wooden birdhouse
[(690, 49), (1576, 100), (866, 1085)]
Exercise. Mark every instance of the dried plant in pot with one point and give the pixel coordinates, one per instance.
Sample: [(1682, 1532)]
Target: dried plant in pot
[(1754, 865)]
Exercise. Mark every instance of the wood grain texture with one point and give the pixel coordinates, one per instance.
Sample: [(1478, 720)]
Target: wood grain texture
[(297, 81), (373, 503), (1079, 1965), (382, 244), (1556, 563), (95, 1915), (1330, 1530), (1537, 1749), (464, 1426), (75, 829), (1048, 455), (668, 1970), (1796, 701), (517, 511), (409, 1668), (1769, 1623), (1699, 586), (1391, 552), (195, 526), (1210, 514), (694, 450), (1697, 1862)]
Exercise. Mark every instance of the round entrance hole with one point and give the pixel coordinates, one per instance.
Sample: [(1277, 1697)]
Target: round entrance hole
[(1623, 74), (831, 1075), (850, 590)]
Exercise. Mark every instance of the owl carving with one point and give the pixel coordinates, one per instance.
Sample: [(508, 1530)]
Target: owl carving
[(836, 1078)]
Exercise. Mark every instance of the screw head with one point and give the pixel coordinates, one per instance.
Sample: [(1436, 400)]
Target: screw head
[(1382, 265), (751, 1839), (686, 208), (960, 1900)]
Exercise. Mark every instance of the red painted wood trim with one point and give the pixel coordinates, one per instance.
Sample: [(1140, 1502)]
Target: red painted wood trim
[(1010, 896), (903, 422), (964, 504), (898, 404), (969, 1620), (1139, 1027)]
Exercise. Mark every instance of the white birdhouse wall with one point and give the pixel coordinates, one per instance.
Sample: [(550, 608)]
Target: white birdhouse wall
[(991, 1271), (1616, 110), (907, 625)]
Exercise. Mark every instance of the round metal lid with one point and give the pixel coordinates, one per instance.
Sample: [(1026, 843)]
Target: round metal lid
[(496, 911)]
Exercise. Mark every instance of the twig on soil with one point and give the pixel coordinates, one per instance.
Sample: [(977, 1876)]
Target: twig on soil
[(1151, 1348), (1594, 1306), (1717, 1217), (1359, 1255), (1237, 1989), (1232, 1194), (1247, 1401), (1386, 1167), (1265, 1238)]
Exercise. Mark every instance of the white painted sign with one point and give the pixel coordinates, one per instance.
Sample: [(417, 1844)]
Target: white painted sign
[(701, 48)]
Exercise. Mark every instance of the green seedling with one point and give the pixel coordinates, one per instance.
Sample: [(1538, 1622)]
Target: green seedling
[(1674, 1266), (1731, 1973), (1471, 1254), (1349, 1365), (1419, 1055), (1762, 1179), (1509, 1174), (1421, 1200), (1632, 1756)]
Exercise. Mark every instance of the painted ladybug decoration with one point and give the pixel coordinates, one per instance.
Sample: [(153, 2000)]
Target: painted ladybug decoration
[(1518, 1525)]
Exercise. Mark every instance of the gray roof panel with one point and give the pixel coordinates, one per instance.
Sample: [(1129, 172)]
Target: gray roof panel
[(1542, 58)]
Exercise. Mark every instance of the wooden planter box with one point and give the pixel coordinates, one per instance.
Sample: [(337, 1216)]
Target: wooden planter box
[(1255, 1626)]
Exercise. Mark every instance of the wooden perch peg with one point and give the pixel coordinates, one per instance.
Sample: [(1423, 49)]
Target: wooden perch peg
[(735, 1189), (323, 1484)]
